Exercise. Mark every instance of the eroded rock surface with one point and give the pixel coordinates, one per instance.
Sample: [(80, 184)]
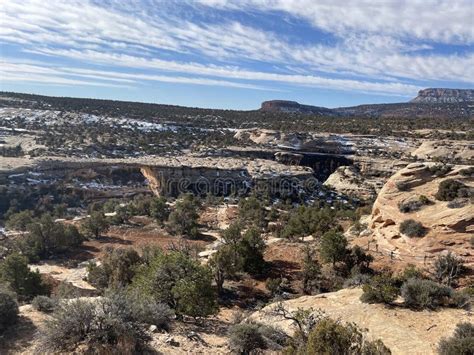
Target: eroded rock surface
[(402, 330), (348, 180), (449, 226)]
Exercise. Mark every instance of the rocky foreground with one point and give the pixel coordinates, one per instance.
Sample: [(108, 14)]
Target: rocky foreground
[(402, 330)]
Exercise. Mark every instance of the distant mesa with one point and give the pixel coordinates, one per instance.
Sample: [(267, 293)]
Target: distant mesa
[(444, 96), (430, 103), (293, 107)]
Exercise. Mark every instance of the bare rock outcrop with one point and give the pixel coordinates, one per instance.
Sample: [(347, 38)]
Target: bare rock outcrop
[(440, 95), (460, 151), (403, 331), (348, 180), (449, 226)]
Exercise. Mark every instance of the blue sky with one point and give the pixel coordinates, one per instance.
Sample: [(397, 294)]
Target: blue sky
[(236, 54)]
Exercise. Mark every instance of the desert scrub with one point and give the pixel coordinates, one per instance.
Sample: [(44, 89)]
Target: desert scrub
[(402, 186), (245, 338), (440, 169), (414, 205), (8, 308), (412, 228), (115, 323), (467, 172), (451, 189), (461, 343), (380, 289), (44, 304), (427, 294)]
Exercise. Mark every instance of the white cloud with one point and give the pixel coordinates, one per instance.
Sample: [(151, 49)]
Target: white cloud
[(378, 47), (39, 72), (236, 73), (449, 21)]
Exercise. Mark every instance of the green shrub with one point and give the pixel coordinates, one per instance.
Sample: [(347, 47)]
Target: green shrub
[(414, 205), (331, 337), (46, 238), (410, 206), (412, 228), (184, 219), (380, 289), (66, 290), (116, 270), (467, 172), (44, 304), (440, 169), (251, 248), (461, 343), (14, 271), (304, 221), (112, 324), (402, 186), (458, 203), (447, 268), (333, 247), (425, 200), (20, 220), (310, 271), (252, 210), (421, 294), (358, 258), (95, 225), (245, 338), (274, 286), (8, 309), (159, 210), (450, 189), (178, 281), (356, 278), (410, 272)]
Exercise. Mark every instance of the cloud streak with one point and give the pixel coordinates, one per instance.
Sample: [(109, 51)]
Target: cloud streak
[(387, 48)]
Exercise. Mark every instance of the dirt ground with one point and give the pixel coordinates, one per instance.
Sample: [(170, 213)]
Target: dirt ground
[(135, 236)]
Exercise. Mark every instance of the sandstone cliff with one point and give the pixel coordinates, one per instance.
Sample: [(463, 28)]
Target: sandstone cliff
[(439, 95)]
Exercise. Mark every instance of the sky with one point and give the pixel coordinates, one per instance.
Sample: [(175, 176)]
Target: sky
[(234, 54)]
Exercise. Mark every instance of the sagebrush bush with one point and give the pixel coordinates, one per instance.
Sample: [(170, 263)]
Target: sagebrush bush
[(179, 281), (114, 323), (380, 289), (458, 203), (447, 268), (412, 228), (461, 343), (420, 294), (117, 268), (332, 337), (8, 309), (467, 172), (402, 186), (44, 304), (440, 169), (410, 206), (450, 189), (245, 338)]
